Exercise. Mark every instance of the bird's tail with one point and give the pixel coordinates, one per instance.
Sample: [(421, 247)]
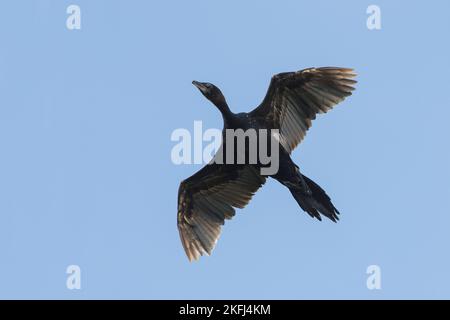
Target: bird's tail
[(315, 203)]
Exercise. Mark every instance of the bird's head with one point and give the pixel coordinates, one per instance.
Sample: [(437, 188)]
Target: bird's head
[(212, 93)]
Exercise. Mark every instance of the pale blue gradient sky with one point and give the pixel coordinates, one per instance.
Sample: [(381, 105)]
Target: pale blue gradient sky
[(85, 170)]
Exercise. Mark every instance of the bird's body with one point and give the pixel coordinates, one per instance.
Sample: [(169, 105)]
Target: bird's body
[(208, 198)]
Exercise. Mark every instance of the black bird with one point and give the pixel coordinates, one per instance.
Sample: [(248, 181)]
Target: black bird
[(208, 198)]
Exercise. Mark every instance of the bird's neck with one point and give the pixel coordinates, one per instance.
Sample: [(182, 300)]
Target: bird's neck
[(224, 110)]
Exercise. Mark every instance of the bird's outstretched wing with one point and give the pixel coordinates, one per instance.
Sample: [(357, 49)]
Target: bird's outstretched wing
[(209, 197), (295, 98)]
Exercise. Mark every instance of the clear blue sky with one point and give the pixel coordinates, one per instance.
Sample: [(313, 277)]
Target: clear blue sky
[(86, 176)]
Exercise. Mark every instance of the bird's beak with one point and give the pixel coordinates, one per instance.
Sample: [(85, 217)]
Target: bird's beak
[(200, 86)]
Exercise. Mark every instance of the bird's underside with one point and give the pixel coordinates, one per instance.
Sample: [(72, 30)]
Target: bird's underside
[(210, 196)]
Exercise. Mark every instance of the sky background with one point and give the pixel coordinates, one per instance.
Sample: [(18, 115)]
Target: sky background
[(86, 176)]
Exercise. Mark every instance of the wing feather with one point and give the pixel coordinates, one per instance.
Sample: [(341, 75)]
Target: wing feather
[(295, 98), (207, 199)]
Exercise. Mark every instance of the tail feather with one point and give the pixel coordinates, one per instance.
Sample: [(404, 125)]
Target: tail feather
[(316, 203)]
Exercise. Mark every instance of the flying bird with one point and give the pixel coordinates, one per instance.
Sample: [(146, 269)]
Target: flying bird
[(210, 196)]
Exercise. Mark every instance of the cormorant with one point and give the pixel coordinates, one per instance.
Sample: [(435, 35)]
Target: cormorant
[(208, 198)]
